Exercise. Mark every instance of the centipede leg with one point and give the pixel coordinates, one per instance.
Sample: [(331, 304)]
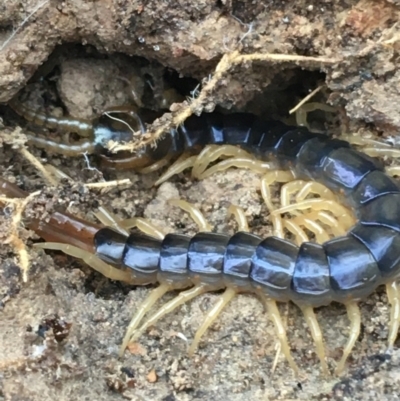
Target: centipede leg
[(393, 293), (146, 305), (184, 161), (144, 226), (212, 314), (240, 217), (194, 212), (320, 234), (156, 165), (270, 178), (330, 221), (289, 189), (109, 219), (318, 204), (297, 231), (257, 166), (354, 314), (274, 314), (90, 259), (394, 171), (316, 188), (181, 299), (214, 152), (316, 334), (373, 147)]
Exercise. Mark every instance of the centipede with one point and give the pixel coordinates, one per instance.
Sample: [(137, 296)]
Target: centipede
[(363, 254)]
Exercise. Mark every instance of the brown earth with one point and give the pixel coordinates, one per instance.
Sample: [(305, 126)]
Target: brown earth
[(73, 55)]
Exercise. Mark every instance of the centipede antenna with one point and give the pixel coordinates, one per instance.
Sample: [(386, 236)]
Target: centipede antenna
[(393, 293), (145, 306), (211, 315), (316, 334), (354, 314), (181, 299)]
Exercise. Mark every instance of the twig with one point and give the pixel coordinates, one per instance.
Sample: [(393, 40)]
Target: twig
[(13, 238), (106, 184), (38, 165)]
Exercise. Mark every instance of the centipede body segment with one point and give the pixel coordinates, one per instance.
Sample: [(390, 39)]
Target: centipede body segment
[(344, 269)]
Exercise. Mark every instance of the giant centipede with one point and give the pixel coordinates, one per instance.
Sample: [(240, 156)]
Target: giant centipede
[(345, 269)]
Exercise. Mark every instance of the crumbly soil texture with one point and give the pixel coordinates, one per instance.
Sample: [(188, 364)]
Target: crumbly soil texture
[(60, 331)]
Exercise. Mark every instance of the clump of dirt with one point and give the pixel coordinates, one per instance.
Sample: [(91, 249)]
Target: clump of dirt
[(155, 54)]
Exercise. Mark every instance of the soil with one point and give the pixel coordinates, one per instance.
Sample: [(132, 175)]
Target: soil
[(60, 331)]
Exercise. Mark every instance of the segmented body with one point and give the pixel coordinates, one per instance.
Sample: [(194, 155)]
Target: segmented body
[(343, 269), (351, 266)]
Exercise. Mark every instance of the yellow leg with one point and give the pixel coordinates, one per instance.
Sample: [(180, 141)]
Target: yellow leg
[(194, 212), (320, 234), (203, 160), (316, 334), (109, 219), (289, 189), (184, 161), (156, 166), (335, 227), (393, 293), (212, 314), (277, 224), (394, 171), (373, 147), (316, 204), (240, 217), (302, 112), (91, 260), (314, 188), (362, 141), (214, 152), (238, 162), (182, 298), (276, 318), (354, 314), (143, 225), (296, 230), (146, 305), (270, 178)]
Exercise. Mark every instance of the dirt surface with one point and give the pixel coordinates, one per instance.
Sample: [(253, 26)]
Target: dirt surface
[(60, 331)]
